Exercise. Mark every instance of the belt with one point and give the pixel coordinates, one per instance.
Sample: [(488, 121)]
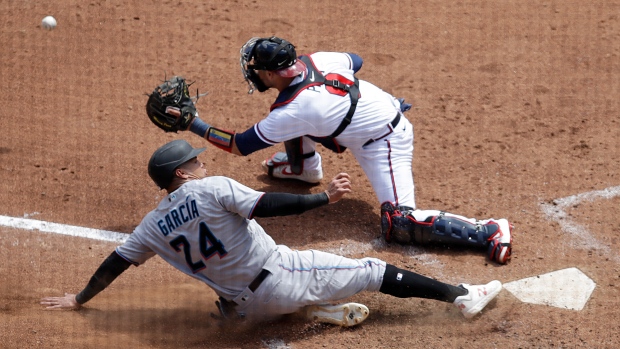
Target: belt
[(258, 280), (394, 122)]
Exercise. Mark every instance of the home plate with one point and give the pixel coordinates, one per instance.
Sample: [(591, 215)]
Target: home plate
[(566, 288)]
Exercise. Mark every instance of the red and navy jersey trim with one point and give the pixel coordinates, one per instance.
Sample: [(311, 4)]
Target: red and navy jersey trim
[(312, 78)]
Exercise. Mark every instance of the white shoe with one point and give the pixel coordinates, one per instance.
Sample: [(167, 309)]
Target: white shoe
[(500, 243), (477, 297), (346, 315), (277, 167)]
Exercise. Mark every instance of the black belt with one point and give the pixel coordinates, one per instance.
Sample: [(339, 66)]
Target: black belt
[(393, 123), (258, 280)]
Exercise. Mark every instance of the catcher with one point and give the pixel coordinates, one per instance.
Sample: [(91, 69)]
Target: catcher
[(321, 101)]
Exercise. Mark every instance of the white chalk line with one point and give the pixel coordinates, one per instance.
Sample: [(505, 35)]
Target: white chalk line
[(347, 249), (72, 230), (556, 212)]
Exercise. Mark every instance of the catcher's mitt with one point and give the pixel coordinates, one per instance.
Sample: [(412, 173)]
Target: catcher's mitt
[(170, 107)]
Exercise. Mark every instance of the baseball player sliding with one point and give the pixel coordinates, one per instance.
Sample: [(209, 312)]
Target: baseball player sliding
[(205, 228), (321, 101)]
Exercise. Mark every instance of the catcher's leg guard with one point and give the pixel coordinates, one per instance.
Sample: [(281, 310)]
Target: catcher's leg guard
[(395, 226), (405, 226)]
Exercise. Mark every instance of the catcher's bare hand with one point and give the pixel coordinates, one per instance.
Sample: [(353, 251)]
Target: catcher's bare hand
[(67, 302), (340, 185)]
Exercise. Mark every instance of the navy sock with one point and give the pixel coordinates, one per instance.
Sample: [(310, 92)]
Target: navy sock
[(405, 284)]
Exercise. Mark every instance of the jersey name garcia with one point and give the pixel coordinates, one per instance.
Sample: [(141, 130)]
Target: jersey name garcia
[(178, 216)]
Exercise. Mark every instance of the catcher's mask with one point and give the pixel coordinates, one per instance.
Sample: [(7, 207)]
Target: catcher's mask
[(272, 54), (167, 158)]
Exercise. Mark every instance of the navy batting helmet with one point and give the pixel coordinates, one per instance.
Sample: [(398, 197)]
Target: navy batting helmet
[(167, 158)]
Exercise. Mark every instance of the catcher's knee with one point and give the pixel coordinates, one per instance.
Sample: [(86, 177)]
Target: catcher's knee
[(396, 226)]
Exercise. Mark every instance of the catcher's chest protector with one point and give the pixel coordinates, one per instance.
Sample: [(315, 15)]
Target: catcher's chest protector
[(338, 84), (289, 93)]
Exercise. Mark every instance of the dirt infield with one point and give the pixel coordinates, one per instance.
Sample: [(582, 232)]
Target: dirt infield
[(515, 105)]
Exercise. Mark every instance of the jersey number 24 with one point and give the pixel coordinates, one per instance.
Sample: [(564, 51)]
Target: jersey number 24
[(209, 246)]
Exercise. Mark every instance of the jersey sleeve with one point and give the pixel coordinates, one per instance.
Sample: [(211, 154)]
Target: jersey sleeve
[(285, 123), (235, 197), (356, 62), (249, 141), (337, 61), (133, 250)]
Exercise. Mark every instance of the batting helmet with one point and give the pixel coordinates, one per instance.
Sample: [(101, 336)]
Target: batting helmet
[(167, 158)]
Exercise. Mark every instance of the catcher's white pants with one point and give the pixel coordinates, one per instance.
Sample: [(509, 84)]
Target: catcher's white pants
[(301, 278), (386, 162)]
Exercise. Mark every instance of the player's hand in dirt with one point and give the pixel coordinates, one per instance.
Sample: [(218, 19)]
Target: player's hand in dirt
[(67, 302), (340, 185)]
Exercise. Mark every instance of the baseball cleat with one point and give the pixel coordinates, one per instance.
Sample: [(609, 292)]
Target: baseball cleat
[(477, 298), (346, 315), (277, 167), (500, 243)]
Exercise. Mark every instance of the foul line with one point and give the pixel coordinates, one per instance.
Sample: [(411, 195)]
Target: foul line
[(119, 238), (72, 230), (556, 211)]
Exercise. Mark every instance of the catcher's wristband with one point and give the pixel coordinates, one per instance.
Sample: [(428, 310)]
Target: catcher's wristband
[(199, 127), (220, 138)]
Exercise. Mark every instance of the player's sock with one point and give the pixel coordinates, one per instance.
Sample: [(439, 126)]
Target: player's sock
[(405, 284)]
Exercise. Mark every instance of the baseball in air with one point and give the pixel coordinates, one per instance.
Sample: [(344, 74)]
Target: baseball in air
[(48, 23)]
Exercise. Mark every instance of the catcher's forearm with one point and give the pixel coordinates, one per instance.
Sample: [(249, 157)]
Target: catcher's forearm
[(199, 127), (222, 139), (112, 267)]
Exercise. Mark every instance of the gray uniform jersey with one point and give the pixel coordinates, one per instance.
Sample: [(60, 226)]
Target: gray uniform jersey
[(203, 229)]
